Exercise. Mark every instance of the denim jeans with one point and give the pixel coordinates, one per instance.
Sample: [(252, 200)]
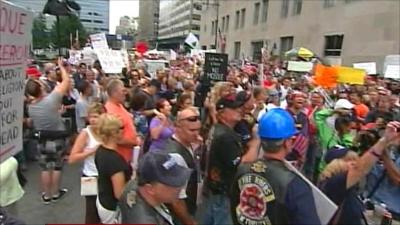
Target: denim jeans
[(215, 210)]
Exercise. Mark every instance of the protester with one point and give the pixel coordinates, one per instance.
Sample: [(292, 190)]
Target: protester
[(84, 149), (161, 126), (161, 178), (113, 170), (80, 75), (82, 105)]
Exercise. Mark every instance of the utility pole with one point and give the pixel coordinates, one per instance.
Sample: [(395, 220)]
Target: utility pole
[(216, 4)]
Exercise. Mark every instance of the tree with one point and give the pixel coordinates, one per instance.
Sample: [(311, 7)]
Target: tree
[(40, 34), (68, 25)]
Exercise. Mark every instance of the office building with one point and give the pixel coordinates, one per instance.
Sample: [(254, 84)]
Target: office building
[(177, 19), (148, 21), (343, 31)]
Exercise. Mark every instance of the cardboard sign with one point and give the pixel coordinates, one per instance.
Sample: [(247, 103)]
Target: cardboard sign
[(15, 41), (111, 60), (392, 71), (216, 66), (369, 67), (99, 41), (300, 66), (350, 75)]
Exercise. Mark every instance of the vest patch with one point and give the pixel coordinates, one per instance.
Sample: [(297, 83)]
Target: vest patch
[(255, 193)]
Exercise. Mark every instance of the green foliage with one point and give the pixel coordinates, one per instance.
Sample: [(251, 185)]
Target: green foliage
[(40, 34), (68, 25)]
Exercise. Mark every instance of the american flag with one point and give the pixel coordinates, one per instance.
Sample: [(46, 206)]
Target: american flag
[(301, 142)]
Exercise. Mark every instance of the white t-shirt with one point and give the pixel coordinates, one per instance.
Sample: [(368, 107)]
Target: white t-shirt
[(89, 167)]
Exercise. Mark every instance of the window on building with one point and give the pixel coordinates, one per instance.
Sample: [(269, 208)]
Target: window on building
[(256, 46), (227, 23), (286, 44), (243, 19), (204, 47), (349, 1), (265, 11), (237, 19), (223, 24), (212, 27), (237, 50), (212, 46), (97, 21), (329, 3), (256, 13), (333, 45), (285, 8), (297, 5), (85, 20)]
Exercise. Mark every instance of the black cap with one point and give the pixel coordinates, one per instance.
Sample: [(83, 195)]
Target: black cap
[(229, 102), (335, 152)]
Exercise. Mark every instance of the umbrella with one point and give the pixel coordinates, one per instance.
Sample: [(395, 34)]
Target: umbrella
[(300, 52)]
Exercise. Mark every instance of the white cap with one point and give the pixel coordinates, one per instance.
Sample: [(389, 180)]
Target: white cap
[(343, 104)]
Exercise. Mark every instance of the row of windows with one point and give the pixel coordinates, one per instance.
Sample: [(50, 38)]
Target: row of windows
[(92, 21), (333, 46), (240, 15)]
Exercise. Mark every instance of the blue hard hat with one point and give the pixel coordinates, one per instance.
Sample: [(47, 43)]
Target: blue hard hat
[(276, 124)]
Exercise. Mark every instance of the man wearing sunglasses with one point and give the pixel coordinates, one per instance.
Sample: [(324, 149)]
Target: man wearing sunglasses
[(187, 135)]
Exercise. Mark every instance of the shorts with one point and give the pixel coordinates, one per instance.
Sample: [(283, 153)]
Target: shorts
[(106, 216), (52, 155)]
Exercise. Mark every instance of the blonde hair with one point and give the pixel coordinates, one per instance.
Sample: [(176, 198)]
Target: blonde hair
[(96, 107), (108, 127), (338, 166), (217, 89)]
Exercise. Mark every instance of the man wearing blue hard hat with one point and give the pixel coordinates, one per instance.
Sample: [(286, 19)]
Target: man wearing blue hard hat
[(267, 191)]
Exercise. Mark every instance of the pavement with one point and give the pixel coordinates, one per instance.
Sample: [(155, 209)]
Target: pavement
[(69, 210)]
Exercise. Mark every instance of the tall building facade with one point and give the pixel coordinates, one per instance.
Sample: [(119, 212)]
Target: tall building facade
[(127, 26), (149, 13), (177, 19), (343, 31)]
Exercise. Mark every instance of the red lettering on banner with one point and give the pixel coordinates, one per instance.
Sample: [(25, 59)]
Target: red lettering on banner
[(12, 22)]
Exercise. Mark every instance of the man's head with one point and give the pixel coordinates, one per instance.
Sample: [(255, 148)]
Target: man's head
[(188, 85), (162, 176), (90, 75), (154, 87), (317, 99), (116, 90), (50, 71), (229, 110), (34, 88), (296, 100), (384, 103), (247, 101), (260, 95), (188, 125), (82, 68), (355, 98)]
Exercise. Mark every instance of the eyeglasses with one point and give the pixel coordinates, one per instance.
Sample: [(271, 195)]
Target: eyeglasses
[(191, 118)]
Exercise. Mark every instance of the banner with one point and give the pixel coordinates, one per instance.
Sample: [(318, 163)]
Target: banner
[(369, 67), (15, 41), (111, 60), (99, 41), (350, 75), (300, 66), (216, 66), (392, 71)]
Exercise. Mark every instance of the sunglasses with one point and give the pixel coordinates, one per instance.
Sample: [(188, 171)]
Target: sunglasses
[(191, 118)]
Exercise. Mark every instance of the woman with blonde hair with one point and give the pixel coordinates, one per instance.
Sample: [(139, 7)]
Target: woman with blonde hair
[(220, 90), (114, 172), (84, 149), (344, 170)]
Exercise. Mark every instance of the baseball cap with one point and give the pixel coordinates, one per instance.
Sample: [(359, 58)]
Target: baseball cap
[(163, 168), (243, 97), (343, 104), (336, 152), (228, 102), (33, 72)]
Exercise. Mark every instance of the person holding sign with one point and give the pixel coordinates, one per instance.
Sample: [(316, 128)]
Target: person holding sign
[(44, 111)]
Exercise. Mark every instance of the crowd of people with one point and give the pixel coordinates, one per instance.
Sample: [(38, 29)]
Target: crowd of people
[(175, 148)]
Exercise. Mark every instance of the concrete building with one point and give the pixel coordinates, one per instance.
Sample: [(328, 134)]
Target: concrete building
[(343, 31), (148, 21), (127, 26), (177, 19), (94, 15)]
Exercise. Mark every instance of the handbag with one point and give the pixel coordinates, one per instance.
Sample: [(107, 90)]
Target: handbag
[(89, 186)]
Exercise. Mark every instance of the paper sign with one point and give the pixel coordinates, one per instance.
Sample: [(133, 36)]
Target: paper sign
[(300, 66), (15, 41), (216, 66), (172, 54), (99, 41), (369, 67), (392, 71), (111, 60), (325, 76), (350, 75), (125, 58)]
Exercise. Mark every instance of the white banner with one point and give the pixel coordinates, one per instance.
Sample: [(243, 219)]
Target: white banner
[(300, 66), (99, 41), (369, 67), (111, 60), (392, 71), (15, 40)]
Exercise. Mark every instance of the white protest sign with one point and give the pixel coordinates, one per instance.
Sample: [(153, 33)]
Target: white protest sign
[(125, 58), (99, 41), (300, 66), (172, 55), (369, 67), (15, 40), (392, 71), (111, 60)]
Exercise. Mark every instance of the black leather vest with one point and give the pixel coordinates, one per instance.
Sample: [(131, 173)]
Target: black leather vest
[(259, 191)]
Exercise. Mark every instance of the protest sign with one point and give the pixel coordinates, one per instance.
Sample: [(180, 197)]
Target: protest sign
[(125, 58), (111, 60), (300, 66), (350, 75), (99, 41), (15, 33), (369, 67), (215, 66), (392, 71), (325, 76)]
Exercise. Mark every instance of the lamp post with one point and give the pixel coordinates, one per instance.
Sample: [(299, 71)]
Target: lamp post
[(216, 4)]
